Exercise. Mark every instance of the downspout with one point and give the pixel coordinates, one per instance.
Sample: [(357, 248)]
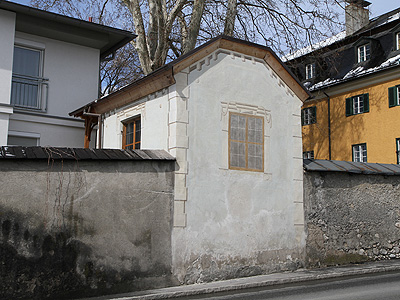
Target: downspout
[(100, 121), (329, 126)]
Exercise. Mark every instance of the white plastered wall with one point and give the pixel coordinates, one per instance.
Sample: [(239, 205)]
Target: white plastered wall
[(7, 31), (228, 215), (153, 111)]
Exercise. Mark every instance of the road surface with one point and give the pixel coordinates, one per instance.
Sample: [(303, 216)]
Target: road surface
[(383, 286)]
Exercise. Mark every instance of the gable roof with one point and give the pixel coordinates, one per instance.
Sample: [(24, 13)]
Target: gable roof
[(55, 26), (337, 61), (164, 76)]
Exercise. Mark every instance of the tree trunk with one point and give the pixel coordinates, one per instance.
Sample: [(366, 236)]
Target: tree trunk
[(230, 17)]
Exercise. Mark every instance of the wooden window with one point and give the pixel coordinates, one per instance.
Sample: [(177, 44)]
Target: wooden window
[(360, 153), (131, 134), (394, 96), (309, 115), (246, 142), (310, 71), (363, 53), (308, 154), (357, 104)]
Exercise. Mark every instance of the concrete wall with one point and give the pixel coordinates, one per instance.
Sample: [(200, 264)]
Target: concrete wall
[(77, 228), (351, 217)]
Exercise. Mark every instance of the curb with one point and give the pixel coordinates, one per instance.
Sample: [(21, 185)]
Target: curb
[(257, 282)]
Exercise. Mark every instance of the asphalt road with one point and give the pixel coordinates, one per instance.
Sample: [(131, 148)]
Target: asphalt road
[(384, 286)]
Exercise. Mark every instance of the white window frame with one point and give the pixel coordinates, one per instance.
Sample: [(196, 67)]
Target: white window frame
[(358, 104), (308, 116), (360, 153), (308, 154), (397, 41), (310, 71), (40, 81), (21, 134), (363, 53), (398, 150)]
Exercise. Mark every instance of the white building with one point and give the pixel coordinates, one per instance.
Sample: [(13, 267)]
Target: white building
[(229, 111), (49, 65)]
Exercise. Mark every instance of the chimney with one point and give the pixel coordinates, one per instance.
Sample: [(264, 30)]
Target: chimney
[(357, 15)]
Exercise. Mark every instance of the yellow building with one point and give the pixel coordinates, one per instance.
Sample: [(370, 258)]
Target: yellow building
[(354, 114)]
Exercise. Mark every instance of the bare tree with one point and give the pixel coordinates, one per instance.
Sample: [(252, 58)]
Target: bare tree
[(169, 28)]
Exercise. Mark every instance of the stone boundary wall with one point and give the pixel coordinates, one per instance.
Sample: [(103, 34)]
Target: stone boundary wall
[(351, 217), (74, 228)]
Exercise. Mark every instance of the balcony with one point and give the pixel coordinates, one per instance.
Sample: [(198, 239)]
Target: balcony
[(29, 92)]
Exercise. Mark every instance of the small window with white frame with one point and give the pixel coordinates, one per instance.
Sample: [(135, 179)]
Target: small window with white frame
[(357, 105), (360, 152), (309, 115), (363, 53), (308, 154), (398, 150), (397, 41), (310, 71)]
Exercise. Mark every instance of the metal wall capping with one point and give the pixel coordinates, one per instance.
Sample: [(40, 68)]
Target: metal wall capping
[(58, 153), (319, 165)]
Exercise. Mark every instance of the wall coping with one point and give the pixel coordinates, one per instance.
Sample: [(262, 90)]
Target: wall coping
[(320, 165), (60, 153)]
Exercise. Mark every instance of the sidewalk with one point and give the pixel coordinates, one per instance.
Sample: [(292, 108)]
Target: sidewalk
[(258, 281)]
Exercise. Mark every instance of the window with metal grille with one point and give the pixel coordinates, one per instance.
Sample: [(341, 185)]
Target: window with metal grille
[(360, 153), (246, 142), (28, 89), (131, 136)]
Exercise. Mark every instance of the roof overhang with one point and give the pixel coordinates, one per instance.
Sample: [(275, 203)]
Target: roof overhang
[(164, 76), (50, 25), (359, 82)]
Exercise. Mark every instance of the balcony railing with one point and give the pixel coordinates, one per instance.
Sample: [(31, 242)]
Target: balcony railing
[(29, 92)]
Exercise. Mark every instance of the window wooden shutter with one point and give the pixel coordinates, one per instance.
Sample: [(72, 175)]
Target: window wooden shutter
[(366, 102), (314, 114), (349, 107), (392, 96)]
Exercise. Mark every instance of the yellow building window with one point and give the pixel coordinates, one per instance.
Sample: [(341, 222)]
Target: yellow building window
[(394, 96), (357, 105), (309, 115), (246, 142), (360, 153)]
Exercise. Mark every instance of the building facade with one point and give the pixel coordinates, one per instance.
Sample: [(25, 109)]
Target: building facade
[(229, 111), (354, 112), (49, 64)]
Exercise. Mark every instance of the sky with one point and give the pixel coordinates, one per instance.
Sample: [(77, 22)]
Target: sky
[(378, 7)]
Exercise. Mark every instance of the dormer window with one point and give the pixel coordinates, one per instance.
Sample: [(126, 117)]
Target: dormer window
[(310, 71), (397, 41), (363, 53)]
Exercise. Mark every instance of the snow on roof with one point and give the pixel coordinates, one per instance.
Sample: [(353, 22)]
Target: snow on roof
[(357, 72), (311, 48)]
